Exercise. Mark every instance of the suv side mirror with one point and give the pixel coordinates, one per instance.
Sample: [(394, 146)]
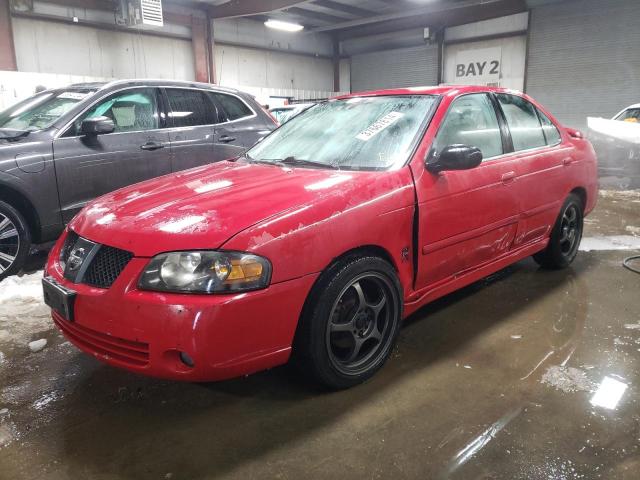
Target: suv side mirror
[(455, 157), (97, 126)]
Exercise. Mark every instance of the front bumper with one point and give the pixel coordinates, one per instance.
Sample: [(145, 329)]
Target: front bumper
[(145, 332)]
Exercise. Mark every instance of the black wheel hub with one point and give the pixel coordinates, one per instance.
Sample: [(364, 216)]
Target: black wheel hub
[(361, 323), (569, 230)]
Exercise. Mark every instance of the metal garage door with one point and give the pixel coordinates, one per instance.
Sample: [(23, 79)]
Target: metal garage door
[(583, 58), (403, 67)]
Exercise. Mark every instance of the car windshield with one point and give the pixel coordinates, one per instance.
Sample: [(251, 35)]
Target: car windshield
[(41, 110), (360, 133), (631, 115)]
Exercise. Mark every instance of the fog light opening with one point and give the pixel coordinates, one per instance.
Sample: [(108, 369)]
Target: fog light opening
[(186, 359)]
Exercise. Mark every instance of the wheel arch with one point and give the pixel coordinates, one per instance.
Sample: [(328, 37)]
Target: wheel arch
[(24, 206), (581, 192), (369, 250)]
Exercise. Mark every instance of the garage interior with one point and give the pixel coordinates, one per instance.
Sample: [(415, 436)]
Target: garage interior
[(525, 374)]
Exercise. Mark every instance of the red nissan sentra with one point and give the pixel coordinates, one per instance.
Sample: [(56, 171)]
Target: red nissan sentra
[(323, 237)]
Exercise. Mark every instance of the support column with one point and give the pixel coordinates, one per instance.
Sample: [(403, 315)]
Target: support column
[(336, 65), (200, 51), (7, 48), (211, 50)]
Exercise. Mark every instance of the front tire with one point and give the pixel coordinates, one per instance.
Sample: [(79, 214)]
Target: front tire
[(15, 240), (565, 236), (350, 322)]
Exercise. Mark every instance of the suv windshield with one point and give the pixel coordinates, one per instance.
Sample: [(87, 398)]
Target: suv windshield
[(360, 133), (41, 110)]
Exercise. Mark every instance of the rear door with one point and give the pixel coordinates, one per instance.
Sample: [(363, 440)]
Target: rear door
[(467, 218), (241, 127), (192, 116), (138, 149), (542, 159)]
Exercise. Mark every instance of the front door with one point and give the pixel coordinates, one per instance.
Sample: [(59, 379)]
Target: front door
[(88, 166), (466, 218)]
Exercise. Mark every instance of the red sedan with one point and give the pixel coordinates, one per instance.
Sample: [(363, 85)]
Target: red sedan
[(323, 237)]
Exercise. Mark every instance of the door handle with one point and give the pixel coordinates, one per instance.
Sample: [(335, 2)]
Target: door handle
[(152, 146), (226, 139), (567, 161), (508, 177)]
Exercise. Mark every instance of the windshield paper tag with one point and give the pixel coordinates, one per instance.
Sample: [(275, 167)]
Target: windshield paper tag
[(378, 126), (73, 95)]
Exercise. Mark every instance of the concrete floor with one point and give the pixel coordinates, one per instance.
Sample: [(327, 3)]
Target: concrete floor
[(493, 382)]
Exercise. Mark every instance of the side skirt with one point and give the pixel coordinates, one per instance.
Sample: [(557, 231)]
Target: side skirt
[(462, 279)]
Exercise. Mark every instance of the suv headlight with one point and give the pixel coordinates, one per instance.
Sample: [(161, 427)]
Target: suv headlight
[(206, 272)]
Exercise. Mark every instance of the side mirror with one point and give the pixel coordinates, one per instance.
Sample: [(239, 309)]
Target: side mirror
[(97, 126), (455, 157)]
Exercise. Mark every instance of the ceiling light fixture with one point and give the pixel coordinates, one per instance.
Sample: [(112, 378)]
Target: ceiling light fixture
[(286, 26)]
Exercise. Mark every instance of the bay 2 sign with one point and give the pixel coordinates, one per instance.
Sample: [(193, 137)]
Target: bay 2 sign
[(479, 66)]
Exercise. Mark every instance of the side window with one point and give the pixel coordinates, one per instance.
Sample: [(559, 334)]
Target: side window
[(190, 108), (233, 107), (131, 110), (523, 121), (551, 133), (471, 120)]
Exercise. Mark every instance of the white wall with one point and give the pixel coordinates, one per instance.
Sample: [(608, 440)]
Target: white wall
[(242, 66), (50, 47), (16, 86), (249, 33)]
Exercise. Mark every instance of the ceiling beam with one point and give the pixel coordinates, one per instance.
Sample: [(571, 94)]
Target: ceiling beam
[(437, 8), (483, 10), (243, 8), (313, 15), (341, 7)]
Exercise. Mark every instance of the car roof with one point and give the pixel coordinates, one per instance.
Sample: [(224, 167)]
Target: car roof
[(445, 90), (154, 82), (635, 105)]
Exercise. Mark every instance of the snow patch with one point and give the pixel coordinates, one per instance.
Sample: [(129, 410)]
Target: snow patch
[(613, 242), (22, 309), (633, 230), (567, 379), (37, 345)]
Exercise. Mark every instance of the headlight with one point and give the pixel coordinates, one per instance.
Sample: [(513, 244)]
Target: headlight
[(206, 272)]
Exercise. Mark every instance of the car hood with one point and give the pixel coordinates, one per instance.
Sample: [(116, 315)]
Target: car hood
[(202, 208)]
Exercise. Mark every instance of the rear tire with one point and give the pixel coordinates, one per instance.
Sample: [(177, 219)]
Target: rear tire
[(350, 322), (15, 240), (565, 236)]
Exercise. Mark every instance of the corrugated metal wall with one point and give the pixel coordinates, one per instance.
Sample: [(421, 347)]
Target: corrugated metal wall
[(584, 58), (404, 67)]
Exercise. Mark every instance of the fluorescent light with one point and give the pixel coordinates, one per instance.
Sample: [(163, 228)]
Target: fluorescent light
[(286, 26)]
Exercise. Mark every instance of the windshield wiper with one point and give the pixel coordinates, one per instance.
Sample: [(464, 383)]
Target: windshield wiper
[(293, 162), (12, 133)]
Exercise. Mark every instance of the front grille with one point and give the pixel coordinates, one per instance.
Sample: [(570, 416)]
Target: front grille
[(127, 352), (106, 266), (69, 242)]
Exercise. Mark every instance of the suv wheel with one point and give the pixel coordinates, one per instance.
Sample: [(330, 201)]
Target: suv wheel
[(15, 240), (351, 322)]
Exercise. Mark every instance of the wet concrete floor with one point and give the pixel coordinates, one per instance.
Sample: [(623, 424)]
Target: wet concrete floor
[(528, 374)]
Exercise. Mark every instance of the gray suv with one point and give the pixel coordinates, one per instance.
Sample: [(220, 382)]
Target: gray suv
[(61, 148)]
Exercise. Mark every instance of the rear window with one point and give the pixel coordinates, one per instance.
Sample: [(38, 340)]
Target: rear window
[(523, 121), (551, 133), (233, 107)]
